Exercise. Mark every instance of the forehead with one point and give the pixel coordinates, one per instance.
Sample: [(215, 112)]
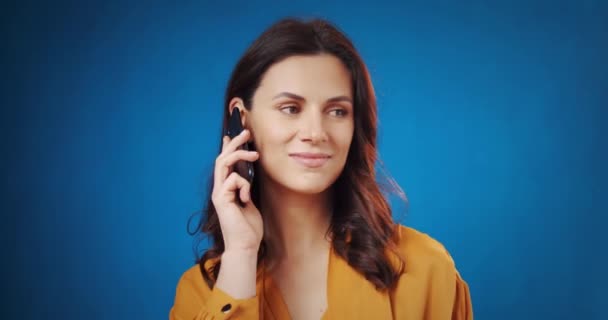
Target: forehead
[(322, 76)]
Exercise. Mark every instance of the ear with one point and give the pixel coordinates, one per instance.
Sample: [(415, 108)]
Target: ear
[(240, 106)]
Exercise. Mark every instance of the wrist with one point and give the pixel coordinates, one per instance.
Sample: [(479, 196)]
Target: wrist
[(237, 275), (240, 254)]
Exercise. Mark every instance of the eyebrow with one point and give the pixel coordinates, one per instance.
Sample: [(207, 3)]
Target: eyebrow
[(300, 98)]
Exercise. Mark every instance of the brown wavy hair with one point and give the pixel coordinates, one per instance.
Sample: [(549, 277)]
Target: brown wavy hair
[(362, 226)]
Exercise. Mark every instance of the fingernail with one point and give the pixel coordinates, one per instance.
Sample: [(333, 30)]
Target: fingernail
[(244, 131)]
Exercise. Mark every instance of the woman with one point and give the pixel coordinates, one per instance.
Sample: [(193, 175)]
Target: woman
[(313, 237)]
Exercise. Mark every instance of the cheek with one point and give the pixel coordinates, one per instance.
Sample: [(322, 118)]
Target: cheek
[(270, 139), (343, 138)]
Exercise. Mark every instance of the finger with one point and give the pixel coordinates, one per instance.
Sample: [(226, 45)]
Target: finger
[(219, 173), (237, 141), (245, 193), (223, 165), (234, 182), (222, 170), (238, 155), (225, 140)]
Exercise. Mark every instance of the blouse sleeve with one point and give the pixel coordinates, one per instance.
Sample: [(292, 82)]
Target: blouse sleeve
[(194, 300), (463, 308)]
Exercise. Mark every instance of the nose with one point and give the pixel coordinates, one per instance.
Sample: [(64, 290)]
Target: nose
[(312, 129)]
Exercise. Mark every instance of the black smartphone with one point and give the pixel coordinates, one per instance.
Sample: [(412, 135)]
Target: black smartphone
[(243, 168)]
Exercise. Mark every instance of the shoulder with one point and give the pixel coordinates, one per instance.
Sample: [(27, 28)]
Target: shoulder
[(420, 251), (192, 277), (192, 282), (430, 283), (192, 274)]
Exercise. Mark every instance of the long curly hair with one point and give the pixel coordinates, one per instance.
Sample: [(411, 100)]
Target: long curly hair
[(362, 225)]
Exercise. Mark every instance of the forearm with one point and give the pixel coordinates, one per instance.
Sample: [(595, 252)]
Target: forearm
[(237, 276)]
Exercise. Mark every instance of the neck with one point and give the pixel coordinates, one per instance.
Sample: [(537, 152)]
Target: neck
[(295, 224)]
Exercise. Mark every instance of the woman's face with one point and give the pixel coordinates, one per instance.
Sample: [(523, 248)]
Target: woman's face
[(302, 122)]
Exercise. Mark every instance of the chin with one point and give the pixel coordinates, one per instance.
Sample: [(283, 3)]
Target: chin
[(308, 185), (297, 180), (308, 189), (302, 184)]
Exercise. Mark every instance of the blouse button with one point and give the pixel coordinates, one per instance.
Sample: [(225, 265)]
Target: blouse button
[(226, 308)]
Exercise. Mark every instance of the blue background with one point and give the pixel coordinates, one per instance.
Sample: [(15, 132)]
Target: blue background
[(492, 119)]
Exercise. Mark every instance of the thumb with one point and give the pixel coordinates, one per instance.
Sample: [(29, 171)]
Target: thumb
[(249, 206)]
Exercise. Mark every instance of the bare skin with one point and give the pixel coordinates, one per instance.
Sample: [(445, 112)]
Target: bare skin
[(303, 105)]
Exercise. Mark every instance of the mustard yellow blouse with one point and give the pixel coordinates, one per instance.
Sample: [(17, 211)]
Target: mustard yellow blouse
[(430, 288)]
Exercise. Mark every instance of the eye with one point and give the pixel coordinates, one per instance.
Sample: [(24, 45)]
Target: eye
[(289, 109), (338, 112)]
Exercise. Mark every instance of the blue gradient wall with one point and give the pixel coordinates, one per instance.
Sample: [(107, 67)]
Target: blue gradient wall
[(492, 118)]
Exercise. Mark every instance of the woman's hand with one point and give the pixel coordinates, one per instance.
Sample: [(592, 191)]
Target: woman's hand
[(242, 227)]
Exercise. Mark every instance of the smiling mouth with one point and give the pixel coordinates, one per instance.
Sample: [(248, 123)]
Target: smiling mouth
[(310, 160)]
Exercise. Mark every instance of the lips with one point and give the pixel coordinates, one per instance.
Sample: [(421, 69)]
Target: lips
[(310, 160)]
